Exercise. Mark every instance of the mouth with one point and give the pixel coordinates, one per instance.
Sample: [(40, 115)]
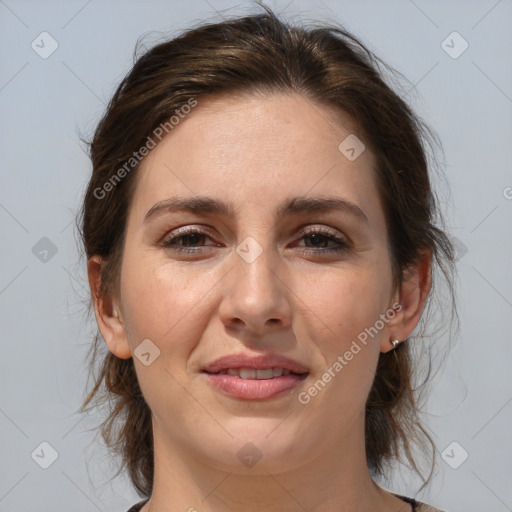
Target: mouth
[(255, 383), (256, 373)]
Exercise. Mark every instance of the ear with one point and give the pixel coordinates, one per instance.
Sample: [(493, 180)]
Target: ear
[(107, 312), (412, 296)]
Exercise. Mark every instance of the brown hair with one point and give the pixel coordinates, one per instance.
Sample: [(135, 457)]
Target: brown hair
[(262, 54)]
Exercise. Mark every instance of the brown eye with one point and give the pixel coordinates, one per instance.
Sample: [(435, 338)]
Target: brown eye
[(319, 238), (189, 240)]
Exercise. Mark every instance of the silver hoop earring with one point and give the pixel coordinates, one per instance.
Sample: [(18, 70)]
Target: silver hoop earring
[(395, 343)]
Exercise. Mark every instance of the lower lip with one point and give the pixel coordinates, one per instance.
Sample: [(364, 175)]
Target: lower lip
[(254, 389)]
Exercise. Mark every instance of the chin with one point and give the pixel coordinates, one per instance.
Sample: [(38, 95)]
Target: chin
[(256, 450)]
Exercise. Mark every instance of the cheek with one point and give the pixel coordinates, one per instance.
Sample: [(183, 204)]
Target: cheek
[(345, 301), (343, 307), (161, 301), (166, 305)]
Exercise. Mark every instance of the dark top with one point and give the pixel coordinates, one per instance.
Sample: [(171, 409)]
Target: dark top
[(415, 504)]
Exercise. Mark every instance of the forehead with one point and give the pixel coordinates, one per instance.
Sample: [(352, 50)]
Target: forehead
[(241, 125), (257, 150)]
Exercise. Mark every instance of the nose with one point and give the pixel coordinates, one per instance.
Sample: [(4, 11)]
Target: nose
[(256, 295)]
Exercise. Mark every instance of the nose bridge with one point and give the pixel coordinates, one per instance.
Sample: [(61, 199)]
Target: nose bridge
[(256, 255), (256, 267), (255, 291)]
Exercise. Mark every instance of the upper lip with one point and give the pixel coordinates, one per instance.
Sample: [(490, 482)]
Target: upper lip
[(257, 362)]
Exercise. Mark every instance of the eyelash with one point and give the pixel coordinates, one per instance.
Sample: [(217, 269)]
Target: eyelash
[(169, 243)]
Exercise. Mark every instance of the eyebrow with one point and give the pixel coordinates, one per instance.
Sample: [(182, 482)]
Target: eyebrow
[(292, 206)]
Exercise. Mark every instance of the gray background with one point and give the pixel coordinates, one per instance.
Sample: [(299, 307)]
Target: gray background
[(45, 102)]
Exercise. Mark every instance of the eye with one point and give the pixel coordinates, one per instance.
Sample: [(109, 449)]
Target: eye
[(192, 238), (321, 236)]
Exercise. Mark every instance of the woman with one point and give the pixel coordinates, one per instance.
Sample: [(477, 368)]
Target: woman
[(259, 229)]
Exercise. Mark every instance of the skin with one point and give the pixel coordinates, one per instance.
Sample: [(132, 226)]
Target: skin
[(255, 152)]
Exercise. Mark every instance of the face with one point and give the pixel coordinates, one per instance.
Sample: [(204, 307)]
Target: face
[(308, 284)]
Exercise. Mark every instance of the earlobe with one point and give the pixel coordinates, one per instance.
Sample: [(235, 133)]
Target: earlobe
[(412, 297), (107, 313)]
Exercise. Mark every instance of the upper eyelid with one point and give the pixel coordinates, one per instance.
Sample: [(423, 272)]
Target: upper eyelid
[(302, 228)]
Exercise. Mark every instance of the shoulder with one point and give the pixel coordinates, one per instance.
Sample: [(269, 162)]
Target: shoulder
[(137, 507), (418, 506), (424, 507)]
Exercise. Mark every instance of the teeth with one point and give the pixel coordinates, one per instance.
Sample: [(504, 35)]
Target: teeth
[(277, 372), (247, 373), (264, 374), (251, 373)]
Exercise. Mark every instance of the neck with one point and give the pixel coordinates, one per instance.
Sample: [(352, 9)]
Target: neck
[(334, 480)]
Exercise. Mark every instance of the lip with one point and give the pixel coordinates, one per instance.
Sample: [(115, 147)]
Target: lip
[(256, 362), (254, 389)]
